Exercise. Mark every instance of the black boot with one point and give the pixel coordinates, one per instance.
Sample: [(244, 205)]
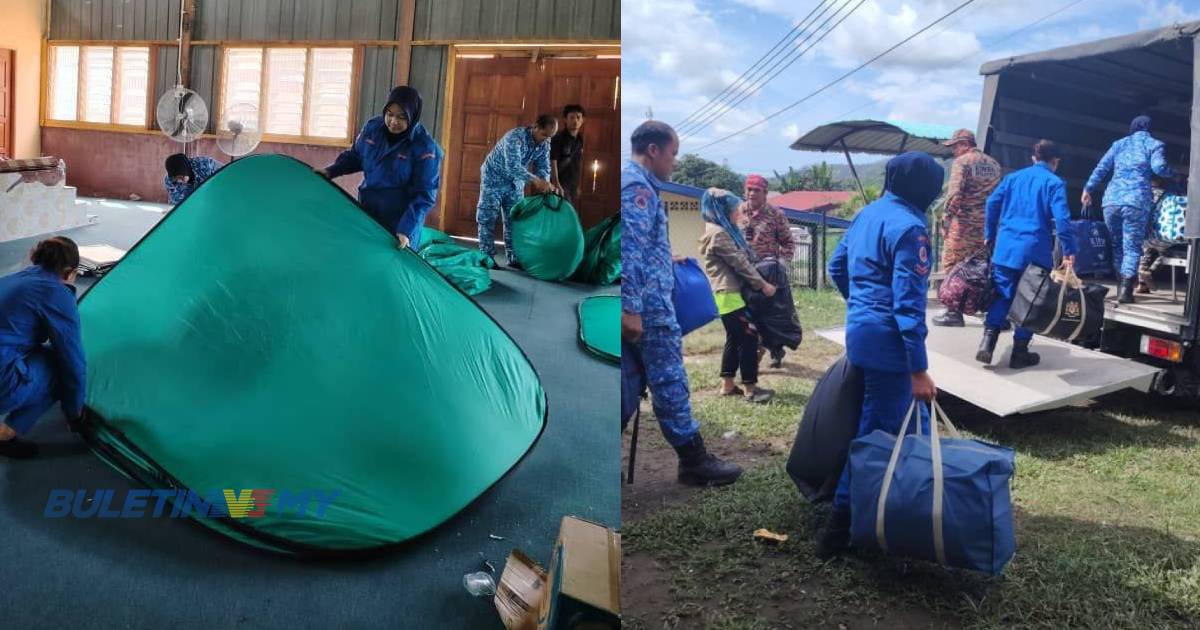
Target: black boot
[(987, 345), (834, 537), (698, 467), (17, 448), (1125, 293), (1021, 356), (949, 318), (777, 357)]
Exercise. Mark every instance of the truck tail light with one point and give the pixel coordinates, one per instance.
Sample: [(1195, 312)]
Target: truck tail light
[(1162, 349)]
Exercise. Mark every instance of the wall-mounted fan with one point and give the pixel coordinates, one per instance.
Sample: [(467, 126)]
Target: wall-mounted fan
[(238, 132), (182, 114)]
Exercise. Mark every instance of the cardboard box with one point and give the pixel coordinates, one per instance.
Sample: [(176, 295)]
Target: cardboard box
[(582, 590)]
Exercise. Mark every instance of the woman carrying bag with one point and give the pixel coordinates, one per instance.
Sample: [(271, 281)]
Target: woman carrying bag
[(726, 257)]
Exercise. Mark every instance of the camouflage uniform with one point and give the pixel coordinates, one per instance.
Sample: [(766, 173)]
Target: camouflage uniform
[(503, 176), (1128, 199), (973, 176), (767, 231), (647, 278)]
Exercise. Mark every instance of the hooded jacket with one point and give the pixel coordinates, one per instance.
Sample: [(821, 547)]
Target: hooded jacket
[(881, 267), (400, 178)]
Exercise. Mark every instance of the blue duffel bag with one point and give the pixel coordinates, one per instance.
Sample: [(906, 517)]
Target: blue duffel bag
[(695, 305), (1094, 255), (924, 497)]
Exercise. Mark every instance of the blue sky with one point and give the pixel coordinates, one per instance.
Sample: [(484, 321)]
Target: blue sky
[(677, 54)]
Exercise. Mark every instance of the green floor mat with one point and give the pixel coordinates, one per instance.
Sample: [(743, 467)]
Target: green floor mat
[(600, 326), (305, 356)]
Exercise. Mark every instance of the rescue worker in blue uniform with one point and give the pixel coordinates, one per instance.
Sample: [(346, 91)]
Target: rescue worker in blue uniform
[(650, 334), (401, 165), (37, 305), (185, 174), (503, 176), (1021, 216), (881, 267), (1128, 200)]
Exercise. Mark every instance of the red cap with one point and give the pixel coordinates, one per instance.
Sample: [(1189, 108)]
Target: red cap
[(756, 181)]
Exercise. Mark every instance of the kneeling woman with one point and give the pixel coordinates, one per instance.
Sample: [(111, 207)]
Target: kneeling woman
[(37, 306), (726, 257), (401, 165)]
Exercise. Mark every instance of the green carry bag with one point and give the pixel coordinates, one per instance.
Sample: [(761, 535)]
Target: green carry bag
[(268, 347), (601, 264), (466, 268), (547, 236)]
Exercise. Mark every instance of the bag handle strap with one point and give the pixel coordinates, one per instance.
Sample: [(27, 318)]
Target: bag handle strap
[(935, 446)]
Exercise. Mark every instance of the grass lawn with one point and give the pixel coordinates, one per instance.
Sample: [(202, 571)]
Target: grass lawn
[(1107, 518)]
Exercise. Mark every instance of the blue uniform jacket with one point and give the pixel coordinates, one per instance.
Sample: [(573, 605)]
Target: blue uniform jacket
[(647, 277), (882, 265), (400, 181), (508, 162), (1130, 161), (203, 167), (1022, 212), (36, 307)]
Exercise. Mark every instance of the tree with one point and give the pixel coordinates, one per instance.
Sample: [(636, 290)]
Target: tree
[(693, 170), (856, 203), (815, 177), (820, 177), (793, 180)]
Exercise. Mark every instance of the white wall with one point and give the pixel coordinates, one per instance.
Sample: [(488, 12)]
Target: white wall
[(21, 25)]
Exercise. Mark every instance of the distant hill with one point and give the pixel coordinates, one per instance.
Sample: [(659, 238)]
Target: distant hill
[(870, 172)]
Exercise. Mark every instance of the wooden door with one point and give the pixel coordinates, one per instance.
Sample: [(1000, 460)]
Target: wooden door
[(491, 96), (594, 84), (7, 98)]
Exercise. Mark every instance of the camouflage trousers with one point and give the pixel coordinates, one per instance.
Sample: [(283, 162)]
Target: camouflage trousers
[(962, 235)]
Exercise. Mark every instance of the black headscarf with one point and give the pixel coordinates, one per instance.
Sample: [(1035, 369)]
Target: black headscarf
[(914, 177), (178, 164), (1141, 123), (409, 100)]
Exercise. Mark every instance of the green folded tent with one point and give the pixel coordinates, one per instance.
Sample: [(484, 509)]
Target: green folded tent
[(547, 236), (600, 326), (601, 262), (267, 335), (465, 267)]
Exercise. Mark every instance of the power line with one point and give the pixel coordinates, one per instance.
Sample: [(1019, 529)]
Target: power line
[(696, 128), (719, 96), (840, 78)]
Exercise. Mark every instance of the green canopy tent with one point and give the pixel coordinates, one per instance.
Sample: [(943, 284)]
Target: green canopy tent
[(268, 335)]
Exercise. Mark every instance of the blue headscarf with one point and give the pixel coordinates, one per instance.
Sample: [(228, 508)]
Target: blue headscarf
[(716, 207), (914, 177), (1141, 123)]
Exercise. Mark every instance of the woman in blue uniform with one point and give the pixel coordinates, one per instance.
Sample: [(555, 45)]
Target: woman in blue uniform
[(401, 165), (881, 267), (37, 305)]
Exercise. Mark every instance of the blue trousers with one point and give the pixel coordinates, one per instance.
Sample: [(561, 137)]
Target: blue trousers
[(1004, 284), (33, 394), (1127, 230), (662, 359), (886, 396), (496, 200)]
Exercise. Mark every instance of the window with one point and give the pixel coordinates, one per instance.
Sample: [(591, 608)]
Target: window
[(99, 84), (299, 92)]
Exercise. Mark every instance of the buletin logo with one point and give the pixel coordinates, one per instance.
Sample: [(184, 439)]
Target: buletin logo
[(237, 503)]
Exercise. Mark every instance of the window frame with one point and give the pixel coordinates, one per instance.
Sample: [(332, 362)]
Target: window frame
[(308, 47), (80, 95)]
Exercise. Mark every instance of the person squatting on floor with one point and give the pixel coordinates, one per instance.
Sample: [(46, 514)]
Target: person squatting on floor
[(650, 332), (503, 176), (1023, 213), (41, 349), (769, 235), (401, 165), (1130, 161), (184, 174), (881, 268), (727, 263), (973, 176)]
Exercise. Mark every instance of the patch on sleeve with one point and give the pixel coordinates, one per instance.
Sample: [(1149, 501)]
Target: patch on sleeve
[(428, 156), (641, 198)]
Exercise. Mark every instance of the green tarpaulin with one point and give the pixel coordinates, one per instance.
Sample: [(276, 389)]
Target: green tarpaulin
[(465, 267), (600, 326), (547, 236), (601, 262), (268, 335)]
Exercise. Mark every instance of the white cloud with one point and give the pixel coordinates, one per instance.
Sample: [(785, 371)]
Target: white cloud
[(790, 132), (1166, 13)]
